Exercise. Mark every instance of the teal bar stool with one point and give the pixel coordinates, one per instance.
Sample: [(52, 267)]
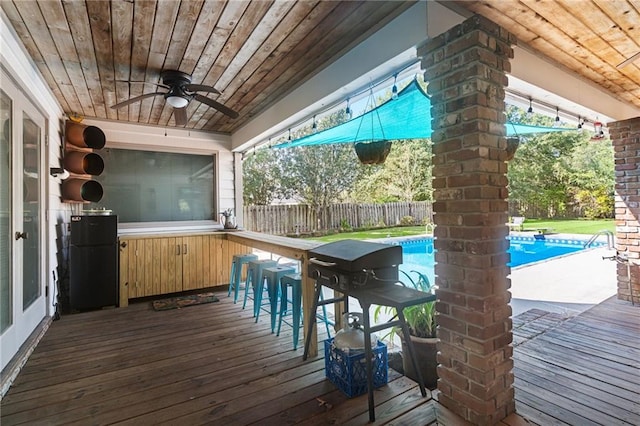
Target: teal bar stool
[(295, 282), (271, 276), (254, 274), (236, 272)]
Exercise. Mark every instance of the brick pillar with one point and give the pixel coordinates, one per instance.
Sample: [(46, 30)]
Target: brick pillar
[(625, 136), (466, 69)]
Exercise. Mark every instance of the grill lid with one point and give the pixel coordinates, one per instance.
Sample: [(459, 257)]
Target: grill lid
[(356, 255)]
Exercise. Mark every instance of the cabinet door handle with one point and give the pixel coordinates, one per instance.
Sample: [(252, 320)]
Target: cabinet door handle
[(184, 249), (177, 249)]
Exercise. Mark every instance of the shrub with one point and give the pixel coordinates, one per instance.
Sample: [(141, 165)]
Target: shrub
[(407, 221), (345, 226)]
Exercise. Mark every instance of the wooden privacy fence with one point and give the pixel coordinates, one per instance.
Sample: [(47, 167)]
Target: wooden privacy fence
[(292, 219)]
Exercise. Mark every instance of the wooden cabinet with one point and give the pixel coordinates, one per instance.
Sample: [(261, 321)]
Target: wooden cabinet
[(152, 265)]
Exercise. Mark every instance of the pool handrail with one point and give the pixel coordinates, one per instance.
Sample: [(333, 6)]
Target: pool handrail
[(610, 238)]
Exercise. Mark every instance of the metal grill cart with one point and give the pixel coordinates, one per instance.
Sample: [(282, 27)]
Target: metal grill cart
[(368, 272)]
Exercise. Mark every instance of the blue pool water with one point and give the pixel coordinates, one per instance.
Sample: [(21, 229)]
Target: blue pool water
[(418, 254)]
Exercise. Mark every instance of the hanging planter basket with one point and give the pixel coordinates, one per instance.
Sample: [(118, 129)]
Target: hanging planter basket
[(512, 146), (373, 152)]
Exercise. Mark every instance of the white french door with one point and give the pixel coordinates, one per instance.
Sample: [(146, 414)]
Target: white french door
[(22, 246)]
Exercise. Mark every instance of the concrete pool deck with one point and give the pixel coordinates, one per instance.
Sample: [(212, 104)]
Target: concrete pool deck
[(567, 284)]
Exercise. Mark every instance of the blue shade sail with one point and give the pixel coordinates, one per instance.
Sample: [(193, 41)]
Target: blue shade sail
[(407, 117)]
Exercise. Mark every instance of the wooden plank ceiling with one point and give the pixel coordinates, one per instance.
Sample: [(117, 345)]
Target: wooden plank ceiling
[(592, 38), (94, 54)]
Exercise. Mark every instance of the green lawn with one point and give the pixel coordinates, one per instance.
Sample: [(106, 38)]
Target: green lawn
[(564, 226), (573, 226)]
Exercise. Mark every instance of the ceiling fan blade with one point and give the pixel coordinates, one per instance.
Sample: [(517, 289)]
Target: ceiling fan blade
[(632, 58), (217, 105), (136, 99), (180, 114), (201, 88)]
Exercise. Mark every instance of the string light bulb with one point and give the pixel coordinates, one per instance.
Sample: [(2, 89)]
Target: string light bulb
[(394, 89), (557, 123), (289, 138), (314, 126), (348, 111), (530, 110), (579, 122)]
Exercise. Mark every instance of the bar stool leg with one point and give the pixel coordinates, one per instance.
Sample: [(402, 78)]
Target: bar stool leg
[(248, 282), (231, 277), (297, 308), (283, 305), (257, 300), (274, 290)]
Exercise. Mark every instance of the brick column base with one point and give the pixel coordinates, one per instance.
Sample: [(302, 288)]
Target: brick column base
[(466, 69), (625, 136)]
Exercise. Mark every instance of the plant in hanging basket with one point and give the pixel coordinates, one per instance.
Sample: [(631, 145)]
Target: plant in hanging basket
[(373, 152), (512, 146)]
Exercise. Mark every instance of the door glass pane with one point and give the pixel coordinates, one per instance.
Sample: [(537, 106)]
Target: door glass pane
[(5, 213), (31, 212)]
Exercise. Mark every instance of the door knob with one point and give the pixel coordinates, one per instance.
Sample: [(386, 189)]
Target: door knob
[(22, 235)]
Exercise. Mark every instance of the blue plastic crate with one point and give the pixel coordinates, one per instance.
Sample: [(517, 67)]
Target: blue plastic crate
[(349, 371)]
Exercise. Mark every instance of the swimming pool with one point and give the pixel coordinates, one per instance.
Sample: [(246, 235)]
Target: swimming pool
[(418, 253)]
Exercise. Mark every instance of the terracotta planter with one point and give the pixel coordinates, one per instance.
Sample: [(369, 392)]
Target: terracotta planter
[(84, 136), (373, 152), (81, 190), (426, 351), (81, 162)]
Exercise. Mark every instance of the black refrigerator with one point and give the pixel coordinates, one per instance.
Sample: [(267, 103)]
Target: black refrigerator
[(93, 261)]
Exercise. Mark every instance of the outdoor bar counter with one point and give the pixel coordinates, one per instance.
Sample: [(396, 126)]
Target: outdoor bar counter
[(293, 248), (202, 259)]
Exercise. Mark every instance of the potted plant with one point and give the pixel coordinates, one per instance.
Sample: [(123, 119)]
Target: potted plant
[(421, 320)]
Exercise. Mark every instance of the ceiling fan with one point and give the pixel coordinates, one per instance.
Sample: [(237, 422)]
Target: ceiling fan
[(180, 92)]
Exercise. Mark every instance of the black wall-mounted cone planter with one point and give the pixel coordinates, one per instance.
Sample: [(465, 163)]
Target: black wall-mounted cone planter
[(373, 152)]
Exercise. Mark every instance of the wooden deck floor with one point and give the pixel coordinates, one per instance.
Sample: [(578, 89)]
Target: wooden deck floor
[(206, 364), (585, 371), (211, 364)]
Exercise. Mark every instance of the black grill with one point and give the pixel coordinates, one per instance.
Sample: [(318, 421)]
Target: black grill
[(350, 264)]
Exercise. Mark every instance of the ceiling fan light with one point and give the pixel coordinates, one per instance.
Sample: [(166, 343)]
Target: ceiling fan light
[(177, 101)]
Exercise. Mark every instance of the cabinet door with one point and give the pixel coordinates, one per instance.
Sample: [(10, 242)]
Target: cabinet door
[(169, 264), (195, 257), (218, 273), (131, 268)]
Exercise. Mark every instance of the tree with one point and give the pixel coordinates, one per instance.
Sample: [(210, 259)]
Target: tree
[(262, 177), (320, 175), (557, 171)]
